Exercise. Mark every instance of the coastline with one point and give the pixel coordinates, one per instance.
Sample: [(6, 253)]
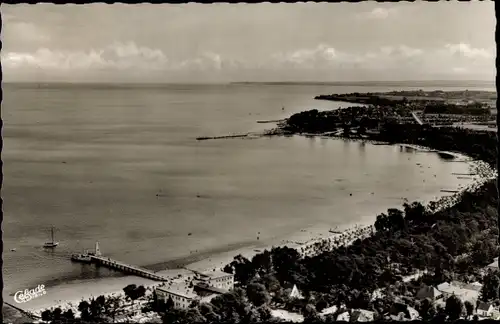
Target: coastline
[(311, 242)]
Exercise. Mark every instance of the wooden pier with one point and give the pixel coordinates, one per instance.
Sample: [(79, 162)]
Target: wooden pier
[(127, 268), (98, 259)]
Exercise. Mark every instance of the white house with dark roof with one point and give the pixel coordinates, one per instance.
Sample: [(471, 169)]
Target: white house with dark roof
[(484, 309)]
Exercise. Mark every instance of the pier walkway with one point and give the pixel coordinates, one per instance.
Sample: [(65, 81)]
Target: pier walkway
[(117, 265)]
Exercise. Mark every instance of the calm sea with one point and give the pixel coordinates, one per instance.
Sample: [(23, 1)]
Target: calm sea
[(120, 165)]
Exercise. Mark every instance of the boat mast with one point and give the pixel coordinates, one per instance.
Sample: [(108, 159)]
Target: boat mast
[(52, 233)]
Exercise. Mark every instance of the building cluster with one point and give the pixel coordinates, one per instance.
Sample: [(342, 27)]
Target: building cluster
[(448, 119), (202, 287), (465, 292)]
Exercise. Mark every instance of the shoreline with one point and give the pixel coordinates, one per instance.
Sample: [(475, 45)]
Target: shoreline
[(313, 243)]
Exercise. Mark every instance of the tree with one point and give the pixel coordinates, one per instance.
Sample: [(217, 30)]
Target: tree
[(111, 306), (491, 286), (469, 308), (140, 292), (454, 307), (193, 315), (69, 315), (258, 294), (321, 304), (130, 292), (286, 264), (207, 310), (46, 315), (244, 270), (56, 314), (170, 304), (265, 313), (427, 310), (310, 312), (382, 223), (262, 262), (396, 219), (84, 308), (133, 292), (232, 306)]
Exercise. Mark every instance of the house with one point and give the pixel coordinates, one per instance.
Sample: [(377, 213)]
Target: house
[(287, 316), (484, 309), (294, 291), (181, 294), (428, 292), (462, 291), (343, 317), (218, 279), (493, 265), (408, 312), (329, 310), (362, 315)]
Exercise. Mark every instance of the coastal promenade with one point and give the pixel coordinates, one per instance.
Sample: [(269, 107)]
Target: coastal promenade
[(127, 268)]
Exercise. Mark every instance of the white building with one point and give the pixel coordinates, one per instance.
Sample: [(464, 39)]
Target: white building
[(484, 309), (462, 291), (181, 294), (202, 289), (217, 279)]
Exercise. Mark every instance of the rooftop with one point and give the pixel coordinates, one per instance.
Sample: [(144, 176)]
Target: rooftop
[(216, 274), (484, 306), (463, 292), (494, 264), (179, 289)]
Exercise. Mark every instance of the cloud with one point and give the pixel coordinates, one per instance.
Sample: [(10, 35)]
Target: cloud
[(466, 50), (322, 54), (115, 56), (401, 59), (119, 58)]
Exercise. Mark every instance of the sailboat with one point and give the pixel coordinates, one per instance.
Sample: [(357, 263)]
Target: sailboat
[(51, 244)]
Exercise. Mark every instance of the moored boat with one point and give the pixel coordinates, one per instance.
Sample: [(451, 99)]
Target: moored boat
[(81, 258), (53, 243)]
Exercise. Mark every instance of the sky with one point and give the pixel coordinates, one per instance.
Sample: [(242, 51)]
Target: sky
[(367, 41)]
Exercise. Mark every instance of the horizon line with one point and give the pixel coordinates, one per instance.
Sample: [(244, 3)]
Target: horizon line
[(247, 82)]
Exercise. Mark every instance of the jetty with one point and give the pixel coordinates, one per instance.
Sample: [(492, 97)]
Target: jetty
[(98, 259)]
